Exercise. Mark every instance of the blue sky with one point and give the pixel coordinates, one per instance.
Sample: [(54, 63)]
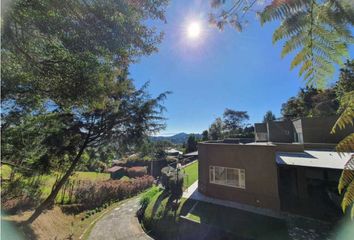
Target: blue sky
[(241, 71)]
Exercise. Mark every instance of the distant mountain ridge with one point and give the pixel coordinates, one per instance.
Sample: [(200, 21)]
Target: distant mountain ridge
[(178, 138)]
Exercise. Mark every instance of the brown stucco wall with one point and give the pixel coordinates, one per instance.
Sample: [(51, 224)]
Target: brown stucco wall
[(289, 147), (260, 167)]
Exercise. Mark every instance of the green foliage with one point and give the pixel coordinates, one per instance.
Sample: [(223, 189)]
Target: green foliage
[(65, 81), (347, 144), (311, 102), (205, 135), (232, 14), (148, 196), (345, 94), (345, 83), (172, 179), (21, 194), (94, 194), (346, 186), (191, 145), (232, 125), (216, 129), (161, 216), (153, 150), (234, 120), (319, 31), (268, 117)]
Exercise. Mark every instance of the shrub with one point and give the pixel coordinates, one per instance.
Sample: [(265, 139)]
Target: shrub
[(171, 183), (146, 198), (94, 194), (21, 194), (176, 186), (136, 172), (165, 175)]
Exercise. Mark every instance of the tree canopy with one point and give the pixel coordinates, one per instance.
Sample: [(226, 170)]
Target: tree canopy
[(311, 102), (205, 135), (191, 144), (65, 83), (232, 125), (268, 117), (216, 129)]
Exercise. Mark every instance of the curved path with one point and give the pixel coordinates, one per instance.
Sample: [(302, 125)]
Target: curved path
[(120, 224)]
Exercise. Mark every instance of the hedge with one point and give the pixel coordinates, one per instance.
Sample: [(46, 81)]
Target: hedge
[(94, 194), (136, 172)]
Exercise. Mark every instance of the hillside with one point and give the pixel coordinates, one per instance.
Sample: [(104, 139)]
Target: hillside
[(178, 138)]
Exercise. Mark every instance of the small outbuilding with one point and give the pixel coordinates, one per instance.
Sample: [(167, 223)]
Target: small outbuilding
[(116, 172)]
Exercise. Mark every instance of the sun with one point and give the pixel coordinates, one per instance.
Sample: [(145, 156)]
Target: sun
[(193, 30)]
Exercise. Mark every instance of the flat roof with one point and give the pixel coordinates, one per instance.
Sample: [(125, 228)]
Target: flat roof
[(113, 169), (172, 150), (261, 143), (191, 154), (313, 158)]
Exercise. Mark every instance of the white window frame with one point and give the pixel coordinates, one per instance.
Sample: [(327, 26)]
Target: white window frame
[(240, 172)]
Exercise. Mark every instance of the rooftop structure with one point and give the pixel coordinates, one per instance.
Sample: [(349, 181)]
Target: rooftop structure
[(292, 167)]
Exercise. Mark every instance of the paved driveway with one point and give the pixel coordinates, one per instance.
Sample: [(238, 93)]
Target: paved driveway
[(120, 224)]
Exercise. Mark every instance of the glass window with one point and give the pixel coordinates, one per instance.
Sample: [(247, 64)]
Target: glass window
[(220, 175), (233, 177), (211, 174), (242, 178)]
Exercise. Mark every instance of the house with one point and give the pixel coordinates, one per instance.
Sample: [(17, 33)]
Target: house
[(292, 167), (116, 172), (173, 152)]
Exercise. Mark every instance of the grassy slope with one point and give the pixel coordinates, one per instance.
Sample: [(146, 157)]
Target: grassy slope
[(49, 180), (192, 174), (241, 223), (159, 217)]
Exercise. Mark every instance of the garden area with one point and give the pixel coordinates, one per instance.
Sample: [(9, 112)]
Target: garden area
[(85, 198), (163, 219)]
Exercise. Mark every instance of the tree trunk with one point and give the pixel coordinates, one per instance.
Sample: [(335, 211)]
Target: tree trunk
[(51, 198)]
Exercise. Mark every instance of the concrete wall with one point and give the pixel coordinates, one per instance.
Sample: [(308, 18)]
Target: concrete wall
[(260, 173), (260, 132), (317, 130), (280, 131)]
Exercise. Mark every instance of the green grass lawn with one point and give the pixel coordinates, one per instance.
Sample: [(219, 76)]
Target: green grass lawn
[(48, 180), (192, 174), (5, 171), (241, 223)]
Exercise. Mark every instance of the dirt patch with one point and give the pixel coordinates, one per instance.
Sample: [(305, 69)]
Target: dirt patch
[(53, 224)]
